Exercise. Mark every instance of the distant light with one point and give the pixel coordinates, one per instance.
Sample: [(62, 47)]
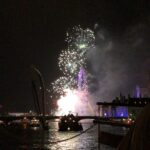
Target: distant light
[(105, 114), (68, 128)]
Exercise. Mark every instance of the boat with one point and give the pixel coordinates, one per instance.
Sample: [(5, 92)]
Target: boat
[(34, 122), (69, 123)]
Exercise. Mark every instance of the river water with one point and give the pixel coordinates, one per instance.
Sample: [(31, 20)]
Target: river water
[(37, 139)]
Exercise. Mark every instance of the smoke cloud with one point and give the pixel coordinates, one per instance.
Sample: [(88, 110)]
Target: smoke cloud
[(119, 63)]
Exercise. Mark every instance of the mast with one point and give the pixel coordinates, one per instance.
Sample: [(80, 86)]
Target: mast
[(42, 92)]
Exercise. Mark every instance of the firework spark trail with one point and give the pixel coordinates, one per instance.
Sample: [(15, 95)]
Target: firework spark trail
[(61, 84), (80, 39), (70, 61)]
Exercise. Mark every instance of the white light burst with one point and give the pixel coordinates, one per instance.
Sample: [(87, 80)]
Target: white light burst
[(68, 102)]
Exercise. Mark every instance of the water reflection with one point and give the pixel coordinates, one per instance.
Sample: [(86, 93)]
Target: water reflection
[(38, 139)]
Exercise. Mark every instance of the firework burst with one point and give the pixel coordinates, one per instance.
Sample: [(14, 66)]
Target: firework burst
[(80, 39), (62, 84), (72, 63)]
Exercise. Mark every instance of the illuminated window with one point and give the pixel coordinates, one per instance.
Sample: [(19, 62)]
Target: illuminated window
[(122, 114)]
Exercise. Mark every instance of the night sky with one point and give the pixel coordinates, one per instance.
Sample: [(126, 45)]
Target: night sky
[(33, 32)]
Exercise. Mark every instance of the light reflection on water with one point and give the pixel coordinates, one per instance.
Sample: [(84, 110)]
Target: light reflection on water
[(42, 140), (87, 140)]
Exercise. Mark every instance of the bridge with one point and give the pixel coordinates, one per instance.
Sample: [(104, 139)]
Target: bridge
[(48, 117)]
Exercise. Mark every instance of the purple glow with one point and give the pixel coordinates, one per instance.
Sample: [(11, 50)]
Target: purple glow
[(137, 92), (82, 79), (121, 111)]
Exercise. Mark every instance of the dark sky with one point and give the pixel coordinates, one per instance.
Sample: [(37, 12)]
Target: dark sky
[(33, 32)]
